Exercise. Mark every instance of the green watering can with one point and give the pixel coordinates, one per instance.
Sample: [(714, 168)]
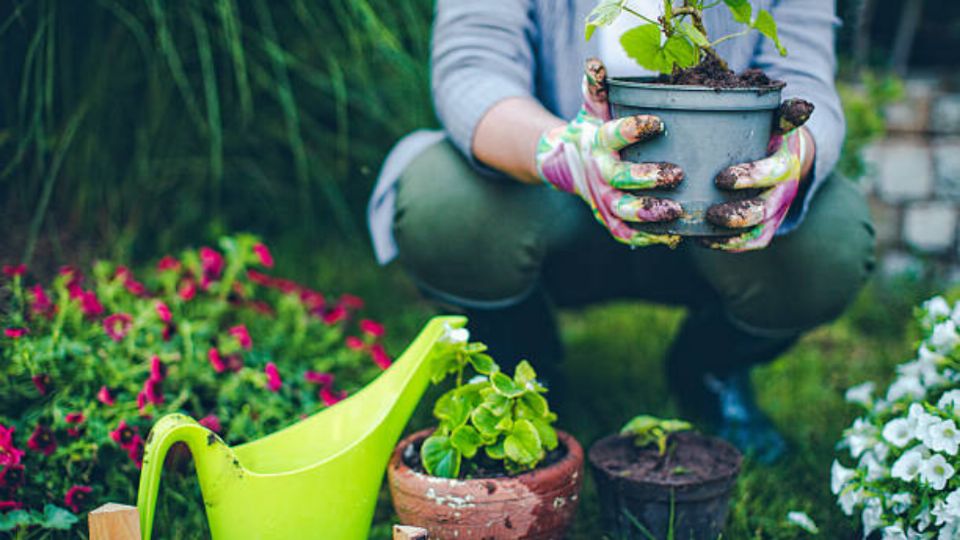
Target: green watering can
[(318, 478)]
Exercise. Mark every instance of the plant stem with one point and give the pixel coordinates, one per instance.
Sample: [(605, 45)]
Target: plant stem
[(697, 15), (729, 36), (631, 11)]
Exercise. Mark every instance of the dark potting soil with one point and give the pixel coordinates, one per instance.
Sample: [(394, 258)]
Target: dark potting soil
[(480, 466), (712, 74), (691, 459)]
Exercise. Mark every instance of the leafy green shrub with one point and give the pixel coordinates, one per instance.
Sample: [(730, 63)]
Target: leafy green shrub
[(505, 417), (88, 363), (863, 108)]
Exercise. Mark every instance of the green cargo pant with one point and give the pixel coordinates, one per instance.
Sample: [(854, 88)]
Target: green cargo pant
[(483, 243)]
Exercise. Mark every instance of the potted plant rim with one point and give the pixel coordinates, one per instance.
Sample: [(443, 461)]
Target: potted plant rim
[(714, 117), (494, 466), (660, 480)]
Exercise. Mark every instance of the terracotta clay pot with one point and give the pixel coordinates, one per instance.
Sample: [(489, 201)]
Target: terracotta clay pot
[(539, 504)]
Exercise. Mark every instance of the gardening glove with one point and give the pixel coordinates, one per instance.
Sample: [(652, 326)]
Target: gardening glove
[(583, 158), (779, 174)]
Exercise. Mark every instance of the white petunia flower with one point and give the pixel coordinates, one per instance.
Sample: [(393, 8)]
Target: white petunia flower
[(950, 399), (455, 335), (839, 476), (920, 420), (908, 466), (875, 469), (950, 531), (861, 436), (849, 499), (937, 307), (900, 503), (936, 471), (898, 431), (861, 394), (872, 516), (894, 532), (942, 437), (944, 337), (948, 510), (802, 520), (909, 387)]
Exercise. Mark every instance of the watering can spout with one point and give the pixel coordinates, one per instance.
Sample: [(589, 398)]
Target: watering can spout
[(318, 478)]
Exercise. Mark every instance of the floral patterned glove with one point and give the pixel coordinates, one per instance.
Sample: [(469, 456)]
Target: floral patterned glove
[(582, 158), (779, 173)]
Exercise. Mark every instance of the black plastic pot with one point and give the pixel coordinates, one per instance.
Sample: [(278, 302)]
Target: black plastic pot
[(636, 510), (707, 130)]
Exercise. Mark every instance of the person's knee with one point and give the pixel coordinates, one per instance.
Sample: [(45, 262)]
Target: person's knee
[(455, 235)]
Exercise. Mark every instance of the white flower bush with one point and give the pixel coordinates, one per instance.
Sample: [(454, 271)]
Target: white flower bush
[(903, 476)]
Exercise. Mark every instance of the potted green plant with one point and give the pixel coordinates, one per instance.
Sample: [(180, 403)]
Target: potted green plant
[(659, 479), (714, 117), (494, 466)]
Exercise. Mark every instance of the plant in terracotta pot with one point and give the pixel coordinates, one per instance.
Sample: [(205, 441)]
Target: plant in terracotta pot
[(494, 466), (715, 118), (659, 479)]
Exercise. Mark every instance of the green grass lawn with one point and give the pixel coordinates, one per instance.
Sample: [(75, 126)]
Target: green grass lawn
[(614, 354)]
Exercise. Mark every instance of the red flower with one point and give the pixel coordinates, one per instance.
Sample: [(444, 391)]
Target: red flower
[(14, 333), (354, 343), (215, 360), (77, 497), (380, 356), (42, 440), (273, 377), (240, 333), (12, 271), (168, 263), (313, 300), (75, 418), (12, 477), (158, 371), (104, 396), (350, 301), (316, 377), (330, 398), (9, 454), (118, 325), (188, 289), (372, 328), (141, 402), (266, 259), (135, 287), (124, 435), (90, 304), (334, 315), (42, 381), (153, 391), (135, 451), (40, 303), (211, 422), (6, 506), (211, 262), (163, 311), (259, 278)]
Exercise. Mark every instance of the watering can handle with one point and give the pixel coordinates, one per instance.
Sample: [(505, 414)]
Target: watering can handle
[(170, 429)]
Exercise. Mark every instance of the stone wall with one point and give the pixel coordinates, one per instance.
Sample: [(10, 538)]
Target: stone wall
[(914, 181)]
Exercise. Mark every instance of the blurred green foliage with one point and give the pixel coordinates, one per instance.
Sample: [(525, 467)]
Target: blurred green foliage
[(863, 106)]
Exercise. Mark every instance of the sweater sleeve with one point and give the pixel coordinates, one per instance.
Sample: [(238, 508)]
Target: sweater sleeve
[(806, 29), (481, 54)]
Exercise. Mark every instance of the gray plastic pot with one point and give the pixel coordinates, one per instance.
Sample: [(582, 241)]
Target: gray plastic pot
[(707, 130)]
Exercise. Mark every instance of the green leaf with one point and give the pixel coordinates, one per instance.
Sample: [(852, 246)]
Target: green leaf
[(524, 374), (483, 364), (534, 405), (505, 424), (505, 386), (55, 517), (643, 45), (466, 439), (741, 9), (694, 35), (451, 409), (603, 14), (548, 435), (439, 457), (495, 451), (523, 445), (15, 519), (639, 425), (485, 421), (441, 365), (497, 403), (768, 27), (679, 51)]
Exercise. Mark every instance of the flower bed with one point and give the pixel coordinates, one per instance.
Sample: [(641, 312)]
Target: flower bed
[(89, 361)]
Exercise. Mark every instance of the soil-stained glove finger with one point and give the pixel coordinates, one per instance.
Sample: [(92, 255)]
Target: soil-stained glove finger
[(594, 90), (776, 205), (784, 164), (792, 114), (738, 214), (645, 209), (626, 175), (622, 132)]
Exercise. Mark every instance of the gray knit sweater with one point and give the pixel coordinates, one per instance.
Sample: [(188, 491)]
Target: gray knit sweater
[(485, 51)]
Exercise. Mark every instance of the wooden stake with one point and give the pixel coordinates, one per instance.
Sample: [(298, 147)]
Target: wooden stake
[(403, 532), (114, 522)]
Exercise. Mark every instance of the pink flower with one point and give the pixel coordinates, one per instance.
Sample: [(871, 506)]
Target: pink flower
[(104, 396), (380, 356), (273, 377), (330, 398), (354, 343), (240, 333), (141, 402), (77, 497), (135, 451), (153, 391), (234, 363), (90, 304), (211, 422), (187, 290), (313, 300), (12, 271), (40, 303), (213, 355), (259, 278), (9, 454), (372, 328), (12, 477), (6, 506), (168, 263), (118, 325), (42, 383), (124, 435), (163, 311), (334, 315), (211, 261), (14, 333), (75, 418), (316, 377), (42, 440), (266, 259), (158, 371), (132, 285)]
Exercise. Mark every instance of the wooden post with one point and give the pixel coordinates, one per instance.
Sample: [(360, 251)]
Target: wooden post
[(403, 532), (114, 522)]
